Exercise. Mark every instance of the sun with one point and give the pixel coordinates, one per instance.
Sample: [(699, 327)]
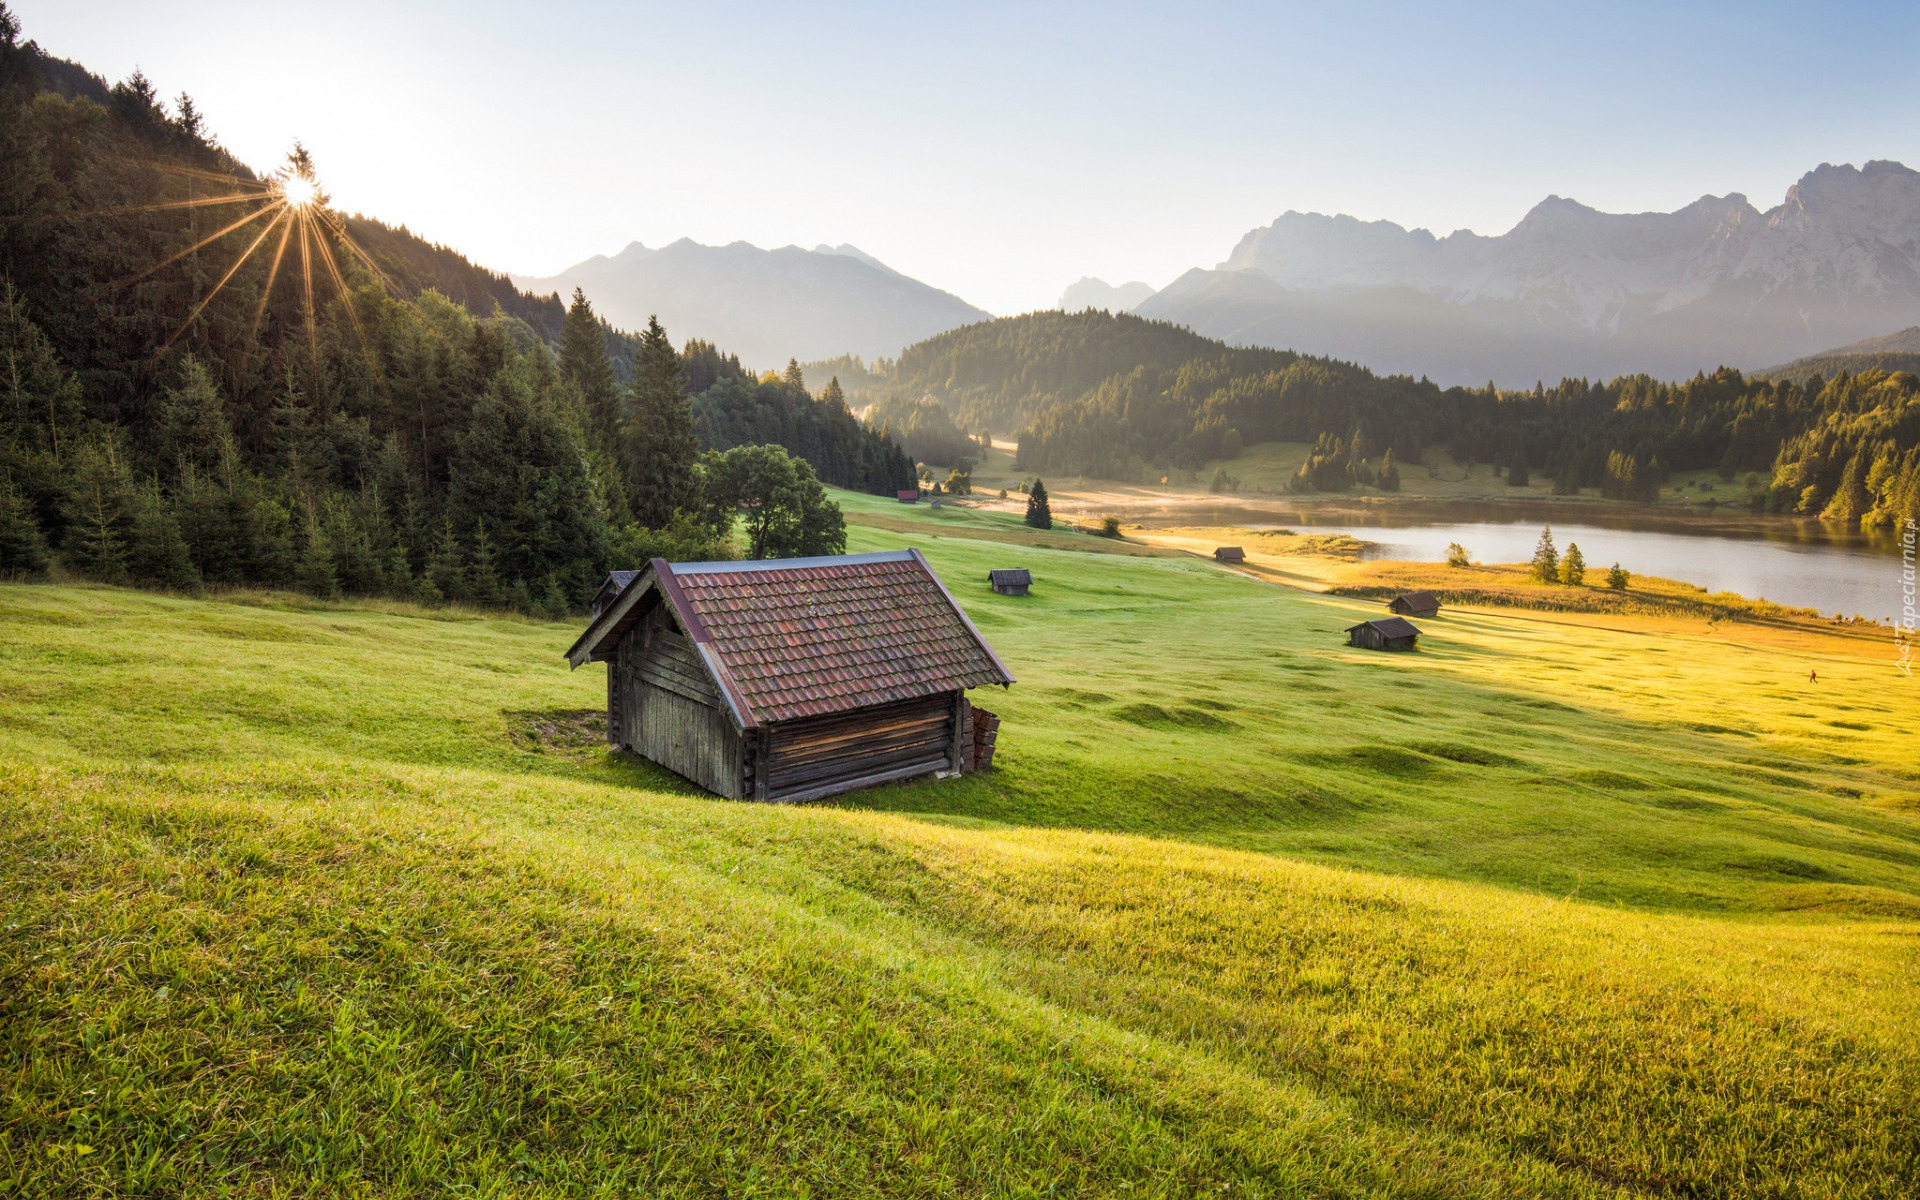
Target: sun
[(298, 191)]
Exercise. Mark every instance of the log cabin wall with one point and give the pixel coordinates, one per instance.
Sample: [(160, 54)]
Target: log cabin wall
[(669, 710), (821, 756)]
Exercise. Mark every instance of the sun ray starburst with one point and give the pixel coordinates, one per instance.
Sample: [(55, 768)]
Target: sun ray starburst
[(294, 205)]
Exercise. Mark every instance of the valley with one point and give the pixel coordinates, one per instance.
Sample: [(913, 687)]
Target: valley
[(1551, 906)]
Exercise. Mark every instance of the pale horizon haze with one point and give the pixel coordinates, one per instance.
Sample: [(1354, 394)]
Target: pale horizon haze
[(1001, 152)]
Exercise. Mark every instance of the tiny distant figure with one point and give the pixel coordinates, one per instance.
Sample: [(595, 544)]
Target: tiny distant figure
[(1813, 676)]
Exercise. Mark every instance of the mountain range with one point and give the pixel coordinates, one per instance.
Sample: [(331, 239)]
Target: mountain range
[(1574, 291), (765, 305)]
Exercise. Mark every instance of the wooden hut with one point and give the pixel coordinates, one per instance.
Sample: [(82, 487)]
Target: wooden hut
[(793, 679), (908, 495), (1415, 604), (1229, 554), (616, 583), (1390, 633), (1012, 581)]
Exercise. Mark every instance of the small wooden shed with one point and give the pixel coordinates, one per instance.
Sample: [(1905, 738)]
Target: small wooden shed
[(1389, 633), (1011, 581), (616, 583), (1231, 554), (1415, 604), (793, 679), (908, 495)]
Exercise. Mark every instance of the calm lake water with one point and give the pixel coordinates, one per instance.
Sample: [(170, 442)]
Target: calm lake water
[(1793, 563)]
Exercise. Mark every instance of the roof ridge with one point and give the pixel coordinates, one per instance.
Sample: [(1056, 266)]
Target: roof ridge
[(789, 564)]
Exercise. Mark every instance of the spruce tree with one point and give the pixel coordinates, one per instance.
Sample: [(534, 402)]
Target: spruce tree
[(1546, 560), (446, 567), (1617, 579), (314, 573), (587, 368), (1517, 475), (23, 548), (157, 554), (191, 425), (40, 400), (659, 446), (483, 578), (1573, 566), (98, 504), (1039, 512)]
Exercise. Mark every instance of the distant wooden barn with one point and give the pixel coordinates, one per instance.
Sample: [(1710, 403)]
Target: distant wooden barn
[(793, 679), (1388, 633), (1415, 604), (1232, 554), (908, 495), (1012, 581), (616, 583)]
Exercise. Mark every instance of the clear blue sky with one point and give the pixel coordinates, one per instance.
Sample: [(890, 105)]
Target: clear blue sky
[(1002, 151)]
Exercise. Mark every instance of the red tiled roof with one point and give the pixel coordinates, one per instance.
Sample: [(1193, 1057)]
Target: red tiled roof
[(791, 638)]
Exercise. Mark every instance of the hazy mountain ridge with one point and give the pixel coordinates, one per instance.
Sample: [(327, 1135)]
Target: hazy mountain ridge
[(766, 305), (1571, 290), (1894, 352), (1090, 292)]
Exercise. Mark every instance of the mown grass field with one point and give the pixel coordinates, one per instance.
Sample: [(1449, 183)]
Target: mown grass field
[(293, 904)]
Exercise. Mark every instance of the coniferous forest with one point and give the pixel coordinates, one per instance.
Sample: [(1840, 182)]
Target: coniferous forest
[(207, 377), (1116, 396)]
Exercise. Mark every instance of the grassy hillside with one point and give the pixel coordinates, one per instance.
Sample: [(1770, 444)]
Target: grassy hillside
[(334, 900)]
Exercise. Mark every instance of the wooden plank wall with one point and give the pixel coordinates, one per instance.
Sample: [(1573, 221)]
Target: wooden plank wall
[(817, 756), (689, 738), (669, 708)]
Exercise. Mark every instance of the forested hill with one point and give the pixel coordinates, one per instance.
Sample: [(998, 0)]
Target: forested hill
[(211, 377), (1000, 374), (1894, 352)]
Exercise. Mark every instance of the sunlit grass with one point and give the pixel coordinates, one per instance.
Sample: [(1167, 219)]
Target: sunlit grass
[(1543, 909)]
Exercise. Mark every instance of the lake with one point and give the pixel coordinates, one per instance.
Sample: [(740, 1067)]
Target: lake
[(1801, 564)]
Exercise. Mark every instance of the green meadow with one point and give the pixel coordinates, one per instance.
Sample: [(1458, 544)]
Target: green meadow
[(344, 899)]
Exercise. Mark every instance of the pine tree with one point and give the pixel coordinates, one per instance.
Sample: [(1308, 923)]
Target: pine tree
[(1573, 566), (1617, 579), (446, 566), (587, 368), (833, 395), (157, 555), (97, 510), (95, 542), (191, 425), (1517, 475), (23, 549), (1546, 560), (1389, 480), (1039, 512), (483, 578), (40, 400), (660, 449), (793, 378), (1850, 500), (314, 573)]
